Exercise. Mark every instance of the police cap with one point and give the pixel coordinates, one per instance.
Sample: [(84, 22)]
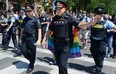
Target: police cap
[(60, 4), (29, 7), (99, 10)]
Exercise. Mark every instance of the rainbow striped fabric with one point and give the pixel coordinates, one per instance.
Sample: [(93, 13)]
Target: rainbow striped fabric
[(74, 51)]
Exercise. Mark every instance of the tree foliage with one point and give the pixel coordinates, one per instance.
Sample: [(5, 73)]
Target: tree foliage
[(89, 5)]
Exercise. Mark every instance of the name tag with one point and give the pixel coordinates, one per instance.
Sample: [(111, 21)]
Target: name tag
[(97, 26), (0, 21), (20, 21), (59, 22)]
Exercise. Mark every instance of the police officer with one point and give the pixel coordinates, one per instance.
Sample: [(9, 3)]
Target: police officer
[(11, 31), (98, 37), (4, 25), (114, 37), (30, 37), (19, 23), (61, 26)]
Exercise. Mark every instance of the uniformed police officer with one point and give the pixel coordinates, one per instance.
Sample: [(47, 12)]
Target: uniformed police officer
[(61, 26), (19, 23), (30, 37), (4, 25), (114, 37), (98, 37), (11, 31)]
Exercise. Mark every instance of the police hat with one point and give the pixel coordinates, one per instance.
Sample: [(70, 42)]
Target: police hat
[(99, 10), (22, 11), (29, 7), (60, 4)]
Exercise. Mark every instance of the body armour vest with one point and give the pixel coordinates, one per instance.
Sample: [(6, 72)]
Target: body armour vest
[(61, 28), (1, 20), (98, 31)]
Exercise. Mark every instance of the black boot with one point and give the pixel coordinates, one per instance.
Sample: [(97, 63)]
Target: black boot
[(30, 68)]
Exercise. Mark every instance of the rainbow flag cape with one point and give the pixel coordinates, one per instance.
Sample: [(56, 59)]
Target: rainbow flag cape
[(74, 51)]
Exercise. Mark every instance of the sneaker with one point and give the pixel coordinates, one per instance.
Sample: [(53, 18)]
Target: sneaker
[(16, 55)]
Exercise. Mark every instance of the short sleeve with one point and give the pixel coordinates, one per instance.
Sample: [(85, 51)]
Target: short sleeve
[(12, 19), (51, 26), (5, 20), (109, 25), (37, 23), (74, 21)]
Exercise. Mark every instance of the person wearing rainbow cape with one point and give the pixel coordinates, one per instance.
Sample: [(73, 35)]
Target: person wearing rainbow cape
[(64, 37)]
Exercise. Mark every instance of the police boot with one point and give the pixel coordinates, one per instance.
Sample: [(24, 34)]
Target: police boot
[(30, 68), (99, 71)]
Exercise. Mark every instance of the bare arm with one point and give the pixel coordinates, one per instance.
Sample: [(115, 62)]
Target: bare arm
[(39, 37), (45, 38), (92, 22)]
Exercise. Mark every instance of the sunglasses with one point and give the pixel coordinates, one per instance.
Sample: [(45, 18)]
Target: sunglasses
[(59, 8)]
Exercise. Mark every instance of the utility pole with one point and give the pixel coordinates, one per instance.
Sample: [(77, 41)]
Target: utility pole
[(7, 7)]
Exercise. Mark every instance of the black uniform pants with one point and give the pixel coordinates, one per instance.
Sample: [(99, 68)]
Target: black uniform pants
[(98, 49), (61, 52), (29, 49), (43, 28), (4, 35), (9, 34), (114, 46)]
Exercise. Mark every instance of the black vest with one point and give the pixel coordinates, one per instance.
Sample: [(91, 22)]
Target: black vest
[(98, 31), (62, 29), (1, 20)]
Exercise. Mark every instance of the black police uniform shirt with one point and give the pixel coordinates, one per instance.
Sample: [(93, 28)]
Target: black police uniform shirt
[(114, 35), (30, 25), (62, 26), (12, 19), (20, 21), (43, 19), (1, 19)]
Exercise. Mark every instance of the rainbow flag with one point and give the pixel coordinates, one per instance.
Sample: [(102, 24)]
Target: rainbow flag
[(74, 51)]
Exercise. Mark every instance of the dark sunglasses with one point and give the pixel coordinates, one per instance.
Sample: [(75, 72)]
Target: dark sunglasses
[(28, 10)]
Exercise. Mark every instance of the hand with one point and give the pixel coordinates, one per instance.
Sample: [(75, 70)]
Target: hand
[(95, 19), (37, 43), (7, 29), (19, 42)]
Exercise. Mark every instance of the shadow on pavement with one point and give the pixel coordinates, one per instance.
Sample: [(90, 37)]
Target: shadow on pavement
[(88, 69), (20, 64), (45, 59), (40, 72), (89, 55)]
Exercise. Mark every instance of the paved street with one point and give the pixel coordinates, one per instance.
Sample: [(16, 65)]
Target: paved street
[(18, 65)]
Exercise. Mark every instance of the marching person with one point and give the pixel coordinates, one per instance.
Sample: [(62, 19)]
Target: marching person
[(19, 23), (30, 37), (10, 31), (114, 37), (98, 37), (4, 25), (61, 27)]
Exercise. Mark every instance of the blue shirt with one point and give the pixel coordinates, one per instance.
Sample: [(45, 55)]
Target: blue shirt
[(109, 25), (12, 19)]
